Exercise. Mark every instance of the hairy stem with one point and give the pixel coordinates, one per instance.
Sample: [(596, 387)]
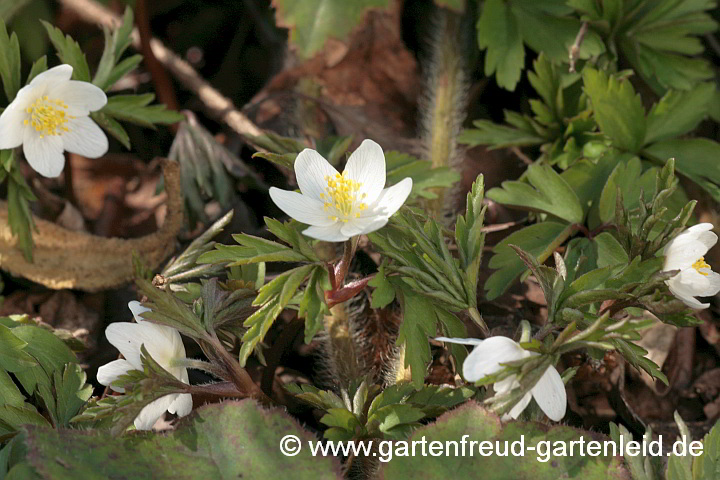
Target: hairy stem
[(341, 349), (444, 107)]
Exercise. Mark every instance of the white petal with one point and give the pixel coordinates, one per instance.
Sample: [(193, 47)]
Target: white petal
[(683, 253), (109, 372), (549, 393), (162, 343), (682, 293), (59, 74), (712, 285), (85, 138), (486, 358), (366, 165), (12, 128), (506, 385), (330, 233), (45, 155), (460, 341), (81, 97), (182, 405), (153, 411), (518, 408), (391, 199), (362, 226), (310, 171), (301, 207), (137, 310)]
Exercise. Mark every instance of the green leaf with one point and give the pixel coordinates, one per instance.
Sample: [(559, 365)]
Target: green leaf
[(274, 297), (707, 465), (9, 62), (15, 417), (19, 215), (384, 292), (13, 356), (71, 391), (50, 352), (38, 67), (661, 41), (400, 166), (227, 440), (113, 127), (480, 426), (312, 22), (679, 112), (137, 109), (610, 252), (69, 52), (680, 466), (553, 35), (617, 109), (251, 250), (9, 392), (696, 158), (110, 69), (499, 33), (419, 320), (539, 240), (499, 136), (551, 194)]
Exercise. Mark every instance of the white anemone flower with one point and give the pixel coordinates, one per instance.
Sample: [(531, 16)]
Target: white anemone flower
[(164, 345), (336, 205), (49, 116), (485, 359), (686, 253)]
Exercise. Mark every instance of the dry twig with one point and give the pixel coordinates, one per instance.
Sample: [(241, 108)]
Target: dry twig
[(215, 102)]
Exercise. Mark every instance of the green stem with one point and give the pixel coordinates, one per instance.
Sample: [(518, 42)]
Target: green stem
[(477, 318)]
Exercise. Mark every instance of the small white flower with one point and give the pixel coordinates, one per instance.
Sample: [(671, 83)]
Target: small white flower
[(485, 359), (49, 116), (686, 253), (339, 206), (164, 345)]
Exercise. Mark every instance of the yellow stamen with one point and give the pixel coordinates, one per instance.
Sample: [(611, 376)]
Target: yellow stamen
[(700, 263), (48, 116), (342, 195)]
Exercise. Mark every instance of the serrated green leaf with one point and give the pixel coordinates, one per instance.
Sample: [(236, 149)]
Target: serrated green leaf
[(384, 292), (137, 109), (38, 67), (552, 34), (499, 34), (679, 112), (9, 62), (400, 166), (312, 22), (113, 127), (695, 158), (617, 109), (551, 194), (471, 421), (69, 52), (419, 320), (226, 440), (498, 136), (539, 240), (707, 465), (71, 392)]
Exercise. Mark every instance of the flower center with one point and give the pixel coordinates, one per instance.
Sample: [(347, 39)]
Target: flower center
[(48, 116), (342, 195), (700, 263)]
